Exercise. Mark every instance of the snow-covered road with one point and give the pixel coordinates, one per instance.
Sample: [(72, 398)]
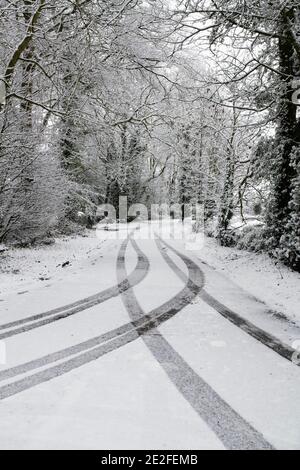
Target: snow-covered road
[(146, 347)]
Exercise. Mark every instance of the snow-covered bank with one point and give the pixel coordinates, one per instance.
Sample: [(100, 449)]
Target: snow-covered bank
[(274, 284), (22, 267)]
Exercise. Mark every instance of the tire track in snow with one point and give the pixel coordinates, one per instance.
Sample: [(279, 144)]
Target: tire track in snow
[(248, 327), (31, 323), (136, 277), (95, 348), (233, 431)]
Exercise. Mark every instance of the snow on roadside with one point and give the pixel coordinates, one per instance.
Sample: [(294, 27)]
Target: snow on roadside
[(274, 284), (23, 267)]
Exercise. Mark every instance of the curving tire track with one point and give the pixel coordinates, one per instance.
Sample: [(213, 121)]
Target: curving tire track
[(233, 431), (248, 327), (36, 321), (97, 347)]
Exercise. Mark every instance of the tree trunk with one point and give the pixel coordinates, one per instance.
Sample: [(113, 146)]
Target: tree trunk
[(283, 171)]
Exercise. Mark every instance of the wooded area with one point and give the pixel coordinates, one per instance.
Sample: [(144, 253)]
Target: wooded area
[(163, 101)]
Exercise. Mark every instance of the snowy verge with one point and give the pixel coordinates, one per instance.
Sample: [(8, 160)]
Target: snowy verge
[(274, 284), (24, 267)]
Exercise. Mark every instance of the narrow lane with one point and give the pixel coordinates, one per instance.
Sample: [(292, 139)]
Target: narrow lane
[(164, 328)]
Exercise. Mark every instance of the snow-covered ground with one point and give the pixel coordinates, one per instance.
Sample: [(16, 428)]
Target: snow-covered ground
[(22, 268), (274, 284), (196, 381)]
